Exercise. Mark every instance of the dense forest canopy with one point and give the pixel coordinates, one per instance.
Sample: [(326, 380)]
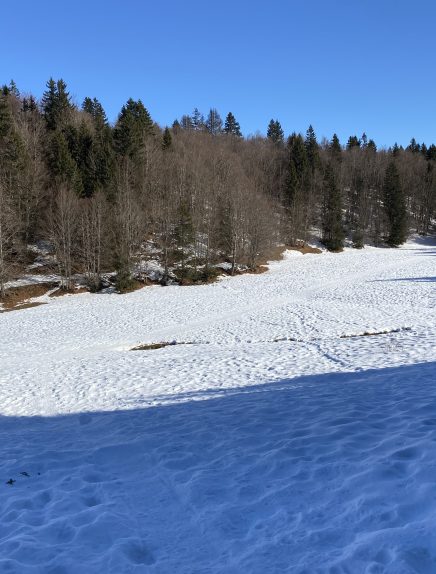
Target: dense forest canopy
[(198, 190)]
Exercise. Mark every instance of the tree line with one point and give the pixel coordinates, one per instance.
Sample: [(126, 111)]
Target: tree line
[(199, 190)]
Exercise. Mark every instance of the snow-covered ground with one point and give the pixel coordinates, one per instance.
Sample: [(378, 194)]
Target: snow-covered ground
[(280, 439)]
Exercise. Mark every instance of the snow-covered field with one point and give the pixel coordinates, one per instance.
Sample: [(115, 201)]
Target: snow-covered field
[(277, 438)]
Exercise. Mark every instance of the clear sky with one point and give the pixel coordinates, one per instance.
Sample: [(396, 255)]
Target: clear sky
[(343, 65)]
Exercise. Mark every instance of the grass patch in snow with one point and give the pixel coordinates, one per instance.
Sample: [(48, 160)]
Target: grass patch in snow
[(374, 333), (154, 346), (20, 297)]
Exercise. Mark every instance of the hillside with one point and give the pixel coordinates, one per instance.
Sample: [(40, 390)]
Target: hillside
[(289, 427)]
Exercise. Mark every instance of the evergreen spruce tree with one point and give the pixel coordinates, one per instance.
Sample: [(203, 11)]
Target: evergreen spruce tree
[(312, 149), (371, 146), (231, 126), (335, 149), (396, 150), (431, 153), (166, 140), (100, 148), (29, 105), (275, 133), (296, 196), (414, 147), (353, 142), (133, 126), (56, 104), (332, 229), (60, 162), (11, 147), (395, 206)]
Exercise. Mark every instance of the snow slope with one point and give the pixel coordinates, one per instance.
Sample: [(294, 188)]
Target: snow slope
[(278, 440)]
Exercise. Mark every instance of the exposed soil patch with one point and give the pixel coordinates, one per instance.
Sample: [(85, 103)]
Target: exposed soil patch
[(154, 346), (60, 292), (17, 297), (374, 333), (24, 306), (305, 249)]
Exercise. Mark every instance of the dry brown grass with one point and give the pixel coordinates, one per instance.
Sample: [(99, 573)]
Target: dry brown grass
[(23, 306), (60, 292), (18, 297), (305, 249), (154, 346)]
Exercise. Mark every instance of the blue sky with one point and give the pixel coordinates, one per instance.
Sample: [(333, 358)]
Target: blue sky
[(342, 65)]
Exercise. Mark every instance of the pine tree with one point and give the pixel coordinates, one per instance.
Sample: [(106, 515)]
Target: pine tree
[(396, 150), (214, 123), (166, 140), (431, 152), (101, 158), (312, 148), (414, 147), (395, 206), (371, 146), (296, 188), (12, 152), (231, 126), (29, 105), (133, 126), (60, 162), (353, 142), (332, 229), (335, 149), (275, 133), (56, 104)]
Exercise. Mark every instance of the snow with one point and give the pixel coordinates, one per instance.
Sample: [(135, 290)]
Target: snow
[(282, 438)]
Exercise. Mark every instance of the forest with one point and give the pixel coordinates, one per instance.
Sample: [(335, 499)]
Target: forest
[(193, 194)]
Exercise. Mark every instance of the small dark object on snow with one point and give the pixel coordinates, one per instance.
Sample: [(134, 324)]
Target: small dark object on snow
[(24, 473), (11, 481)]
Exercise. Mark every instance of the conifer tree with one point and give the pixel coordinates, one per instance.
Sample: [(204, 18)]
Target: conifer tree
[(29, 104), (61, 164), (312, 149), (335, 149), (414, 147), (396, 150), (133, 126), (56, 104), (101, 160), (231, 126), (332, 229), (395, 206), (371, 146), (296, 188), (275, 132), (166, 140), (353, 142)]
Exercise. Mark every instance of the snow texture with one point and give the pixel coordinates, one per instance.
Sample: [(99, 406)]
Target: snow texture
[(295, 433)]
